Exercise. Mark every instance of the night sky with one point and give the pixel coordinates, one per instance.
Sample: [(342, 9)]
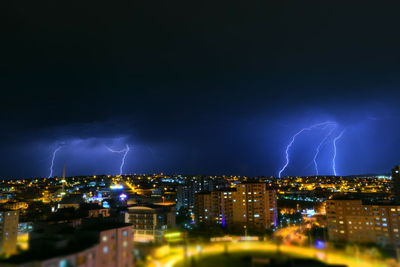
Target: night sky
[(198, 87)]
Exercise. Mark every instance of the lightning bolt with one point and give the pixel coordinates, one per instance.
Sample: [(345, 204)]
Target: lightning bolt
[(125, 152), (292, 140), (53, 159), (123, 158), (319, 147), (335, 151)]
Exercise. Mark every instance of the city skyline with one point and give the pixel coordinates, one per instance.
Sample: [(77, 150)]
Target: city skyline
[(199, 133)]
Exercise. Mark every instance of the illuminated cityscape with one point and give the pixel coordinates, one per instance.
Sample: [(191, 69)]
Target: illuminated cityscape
[(200, 133), (146, 214)]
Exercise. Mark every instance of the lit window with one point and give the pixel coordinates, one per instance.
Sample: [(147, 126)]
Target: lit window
[(105, 249)]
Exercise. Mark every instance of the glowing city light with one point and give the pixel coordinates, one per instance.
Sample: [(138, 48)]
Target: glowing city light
[(116, 186), (173, 234), (106, 205)]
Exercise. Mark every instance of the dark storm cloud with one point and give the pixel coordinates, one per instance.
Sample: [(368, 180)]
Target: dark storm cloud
[(195, 87)]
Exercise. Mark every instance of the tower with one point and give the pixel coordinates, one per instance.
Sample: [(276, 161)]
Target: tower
[(64, 172), (63, 181)]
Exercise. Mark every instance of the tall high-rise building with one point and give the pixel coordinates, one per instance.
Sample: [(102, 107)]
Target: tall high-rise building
[(222, 207), (396, 183), (250, 206), (203, 208), (254, 206), (8, 232), (185, 195), (351, 220), (214, 207)]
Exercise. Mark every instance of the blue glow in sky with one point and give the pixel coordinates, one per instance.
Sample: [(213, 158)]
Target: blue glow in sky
[(252, 146), (199, 92)]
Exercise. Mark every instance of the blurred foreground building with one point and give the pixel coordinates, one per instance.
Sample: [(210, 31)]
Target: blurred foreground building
[(101, 244), (151, 221), (8, 232)]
